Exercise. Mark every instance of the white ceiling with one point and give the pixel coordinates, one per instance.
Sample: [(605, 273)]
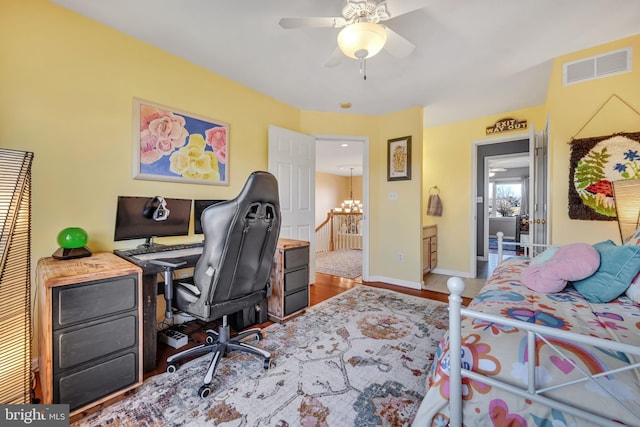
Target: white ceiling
[(339, 157), (509, 161), (472, 58)]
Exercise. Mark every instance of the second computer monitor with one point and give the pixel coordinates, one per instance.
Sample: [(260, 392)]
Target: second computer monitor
[(198, 207)]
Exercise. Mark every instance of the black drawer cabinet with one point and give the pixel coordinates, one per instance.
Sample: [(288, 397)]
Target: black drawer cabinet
[(289, 280), (90, 333)]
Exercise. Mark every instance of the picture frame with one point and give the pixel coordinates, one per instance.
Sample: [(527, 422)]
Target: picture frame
[(399, 159), (177, 146)]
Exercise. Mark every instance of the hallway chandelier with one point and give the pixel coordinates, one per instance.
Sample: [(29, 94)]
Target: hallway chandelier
[(350, 205)]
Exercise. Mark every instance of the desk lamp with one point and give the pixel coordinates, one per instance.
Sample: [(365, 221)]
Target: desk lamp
[(72, 241)]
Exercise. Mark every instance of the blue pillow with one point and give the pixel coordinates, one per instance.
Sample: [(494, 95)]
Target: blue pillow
[(544, 256), (618, 266)]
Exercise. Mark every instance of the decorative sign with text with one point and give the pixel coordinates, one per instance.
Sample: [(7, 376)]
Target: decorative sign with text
[(506, 125)]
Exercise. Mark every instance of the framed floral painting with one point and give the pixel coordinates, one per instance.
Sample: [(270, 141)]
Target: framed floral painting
[(172, 145), (399, 159)]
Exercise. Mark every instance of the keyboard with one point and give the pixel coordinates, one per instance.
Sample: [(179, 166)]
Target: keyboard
[(160, 252)]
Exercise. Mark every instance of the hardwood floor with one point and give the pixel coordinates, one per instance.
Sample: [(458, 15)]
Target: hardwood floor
[(325, 287)]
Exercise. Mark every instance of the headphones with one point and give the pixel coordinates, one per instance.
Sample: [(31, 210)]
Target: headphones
[(156, 208)]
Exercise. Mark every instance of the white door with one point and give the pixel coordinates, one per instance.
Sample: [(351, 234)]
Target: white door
[(539, 230), (292, 160)]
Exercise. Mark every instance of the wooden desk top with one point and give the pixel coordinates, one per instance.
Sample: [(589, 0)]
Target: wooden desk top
[(54, 272), (290, 243)]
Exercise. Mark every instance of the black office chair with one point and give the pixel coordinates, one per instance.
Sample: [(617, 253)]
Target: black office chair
[(233, 272)]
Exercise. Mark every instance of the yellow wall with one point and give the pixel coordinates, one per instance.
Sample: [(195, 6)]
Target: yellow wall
[(571, 107), (67, 90), (448, 152)]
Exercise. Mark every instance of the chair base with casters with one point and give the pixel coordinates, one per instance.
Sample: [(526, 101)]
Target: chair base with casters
[(219, 343)]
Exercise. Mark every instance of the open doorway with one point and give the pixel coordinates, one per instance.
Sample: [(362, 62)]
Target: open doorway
[(340, 198), (486, 155), (507, 207), (505, 160), (292, 159)]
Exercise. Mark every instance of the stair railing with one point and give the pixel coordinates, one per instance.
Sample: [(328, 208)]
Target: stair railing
[(340, 230)]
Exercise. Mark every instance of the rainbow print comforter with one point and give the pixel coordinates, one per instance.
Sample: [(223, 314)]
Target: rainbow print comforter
[(501, 352)]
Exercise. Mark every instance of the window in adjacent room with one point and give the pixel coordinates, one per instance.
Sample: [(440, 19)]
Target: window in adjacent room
[(505, 198)]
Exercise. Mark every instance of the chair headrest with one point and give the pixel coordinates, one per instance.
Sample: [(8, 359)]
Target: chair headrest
[(261, 186)]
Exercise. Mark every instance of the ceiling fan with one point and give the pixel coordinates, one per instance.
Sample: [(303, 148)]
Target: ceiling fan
[(362, 36)]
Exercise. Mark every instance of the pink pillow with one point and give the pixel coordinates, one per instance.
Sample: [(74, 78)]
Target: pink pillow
[(572, 262)]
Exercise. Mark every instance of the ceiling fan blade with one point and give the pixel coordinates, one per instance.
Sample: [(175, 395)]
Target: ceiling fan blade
[(289, 23), (335, 58), (396, 8), (397, 45)]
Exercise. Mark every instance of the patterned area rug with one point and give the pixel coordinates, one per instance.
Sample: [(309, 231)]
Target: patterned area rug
[(358, 359), (344, 263)]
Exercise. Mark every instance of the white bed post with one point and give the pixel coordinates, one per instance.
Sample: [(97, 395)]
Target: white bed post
[(456, 287), (500, 236)]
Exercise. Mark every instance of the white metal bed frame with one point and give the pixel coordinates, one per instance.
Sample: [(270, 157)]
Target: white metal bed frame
[(534, 332)]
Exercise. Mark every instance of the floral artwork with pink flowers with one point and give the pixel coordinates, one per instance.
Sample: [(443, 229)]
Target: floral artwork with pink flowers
[(177, 146)]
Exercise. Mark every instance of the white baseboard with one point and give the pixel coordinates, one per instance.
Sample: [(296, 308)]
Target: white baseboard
[(394, 281), (463, 274)]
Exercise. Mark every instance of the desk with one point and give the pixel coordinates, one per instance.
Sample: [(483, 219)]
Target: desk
[(149, 304), (289, 282)]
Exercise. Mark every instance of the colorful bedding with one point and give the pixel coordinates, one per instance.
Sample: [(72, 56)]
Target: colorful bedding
[(500, 352)]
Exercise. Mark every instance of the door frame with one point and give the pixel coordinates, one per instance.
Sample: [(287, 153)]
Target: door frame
[(366, 197), (473, 220)]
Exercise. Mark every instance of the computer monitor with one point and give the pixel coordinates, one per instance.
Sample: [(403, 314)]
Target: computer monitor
[(198, 207), (149, 217)]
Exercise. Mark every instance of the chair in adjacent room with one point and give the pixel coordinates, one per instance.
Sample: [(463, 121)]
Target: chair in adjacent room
[(233, 272)]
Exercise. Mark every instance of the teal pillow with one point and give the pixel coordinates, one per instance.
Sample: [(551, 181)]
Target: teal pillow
[(618, 266), (544, 256)]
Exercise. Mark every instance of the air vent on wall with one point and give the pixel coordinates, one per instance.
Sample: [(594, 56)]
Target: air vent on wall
[(598, 66)]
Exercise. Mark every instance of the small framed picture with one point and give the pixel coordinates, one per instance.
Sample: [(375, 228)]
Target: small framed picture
[(399, 159)]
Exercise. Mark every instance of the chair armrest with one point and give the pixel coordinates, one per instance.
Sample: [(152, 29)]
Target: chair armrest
[(169, 265)]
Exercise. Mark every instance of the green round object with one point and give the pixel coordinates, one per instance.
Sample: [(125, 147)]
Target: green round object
[(72, 237)]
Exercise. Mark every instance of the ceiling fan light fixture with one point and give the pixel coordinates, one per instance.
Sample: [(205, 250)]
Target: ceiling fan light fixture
[(362, 40)]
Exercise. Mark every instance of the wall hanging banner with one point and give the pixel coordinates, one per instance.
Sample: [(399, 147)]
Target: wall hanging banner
[(594, 164)]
